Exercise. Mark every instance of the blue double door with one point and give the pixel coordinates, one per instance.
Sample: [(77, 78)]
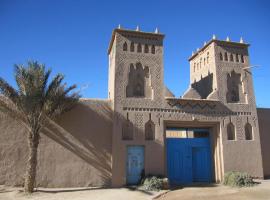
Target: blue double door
[(188, 160)]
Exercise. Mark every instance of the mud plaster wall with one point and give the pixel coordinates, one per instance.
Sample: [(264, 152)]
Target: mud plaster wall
[(264, 125), (74, 153)]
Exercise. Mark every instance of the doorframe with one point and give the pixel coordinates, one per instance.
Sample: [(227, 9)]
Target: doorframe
[(215, 144)]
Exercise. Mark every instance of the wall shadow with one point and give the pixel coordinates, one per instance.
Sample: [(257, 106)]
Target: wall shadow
[(204, 86), (86, 132)]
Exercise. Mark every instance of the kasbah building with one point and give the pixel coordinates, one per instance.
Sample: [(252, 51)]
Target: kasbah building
[(142, 128)]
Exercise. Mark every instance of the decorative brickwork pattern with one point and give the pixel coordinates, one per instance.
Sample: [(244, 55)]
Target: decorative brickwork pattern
[(213, 109)]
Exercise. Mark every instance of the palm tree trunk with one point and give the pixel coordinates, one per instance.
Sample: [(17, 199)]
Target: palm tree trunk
[(33, 141)]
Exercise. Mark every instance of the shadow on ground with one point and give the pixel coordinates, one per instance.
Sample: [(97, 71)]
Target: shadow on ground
[(136, 188), (193, 185), (47, 190)]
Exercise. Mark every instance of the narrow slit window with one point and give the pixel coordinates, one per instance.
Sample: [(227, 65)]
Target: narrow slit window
[(226, 56), (242, 59), (139, 48), (220, 56), (153, 50), (230, 131), (248, 132), (146, 48), (125, 46), (231, 57), (132, 47), (236, 58)]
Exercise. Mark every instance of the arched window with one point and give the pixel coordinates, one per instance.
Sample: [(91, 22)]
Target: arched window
[(204, 62), (242, 59), (138, 81), (207, 60), (125, 46), (226, 56), (231, 57), (248, 132), (220, 56), (230, 131), (139, 48), (132, 46), (200, 63), (153, 51), (194, 67), (149, 130), (197, 66), (236, 58), (146, 48)]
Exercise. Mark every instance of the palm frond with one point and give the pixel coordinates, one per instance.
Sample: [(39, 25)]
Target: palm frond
[(62, 100), (55, 83), (8, 91), (36, 98), (69, 89)]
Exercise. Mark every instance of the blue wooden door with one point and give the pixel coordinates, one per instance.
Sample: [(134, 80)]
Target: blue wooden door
[(200, 164), (178, 161), (135, 164), (201, 160), (188, 160)]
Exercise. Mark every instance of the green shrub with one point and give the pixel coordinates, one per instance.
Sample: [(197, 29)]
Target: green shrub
[(238, 179), (152, 183)]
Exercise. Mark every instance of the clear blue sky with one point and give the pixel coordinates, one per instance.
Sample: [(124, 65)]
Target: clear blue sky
[(72, 36)]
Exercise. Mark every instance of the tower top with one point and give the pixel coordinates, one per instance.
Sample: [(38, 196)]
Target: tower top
[(226, 42), (135, 34)]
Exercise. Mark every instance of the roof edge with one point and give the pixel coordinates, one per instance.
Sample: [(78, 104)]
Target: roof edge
[(120, 30), (230, 43)]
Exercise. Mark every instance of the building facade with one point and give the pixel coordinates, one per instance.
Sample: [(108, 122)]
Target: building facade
[(142, 128)]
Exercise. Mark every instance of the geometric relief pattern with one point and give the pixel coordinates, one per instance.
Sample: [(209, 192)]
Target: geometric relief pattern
[(179, 103), (139, 121), (155, 83), (240, 128)]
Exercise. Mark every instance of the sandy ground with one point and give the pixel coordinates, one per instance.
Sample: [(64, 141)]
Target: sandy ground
[(211, 192), (11, 193), (219, 192)]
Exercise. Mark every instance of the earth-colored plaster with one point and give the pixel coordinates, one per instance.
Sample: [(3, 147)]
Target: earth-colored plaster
[(74, 152), (264, 124)]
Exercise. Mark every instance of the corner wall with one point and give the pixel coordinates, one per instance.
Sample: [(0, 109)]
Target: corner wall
[(264, 126)]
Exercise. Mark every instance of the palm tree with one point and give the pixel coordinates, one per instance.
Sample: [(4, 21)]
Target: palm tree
[(34, 104)]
